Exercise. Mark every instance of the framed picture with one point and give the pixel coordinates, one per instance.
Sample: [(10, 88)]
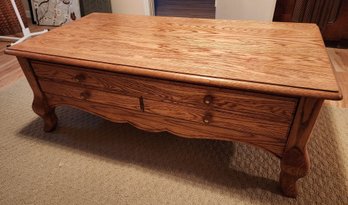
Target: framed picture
[(54, 12)]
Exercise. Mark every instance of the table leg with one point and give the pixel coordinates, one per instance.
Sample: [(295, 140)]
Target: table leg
[(40, 105), (47, 113), (295, 162)]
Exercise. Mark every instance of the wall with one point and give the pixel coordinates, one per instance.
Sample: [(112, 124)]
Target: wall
[(245, 9), (129, 6), (139, 7), (225, 9)]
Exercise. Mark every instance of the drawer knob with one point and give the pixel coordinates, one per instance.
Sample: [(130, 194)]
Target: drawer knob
[(208, 99), (207, 118), (85, 95), (80, 77)]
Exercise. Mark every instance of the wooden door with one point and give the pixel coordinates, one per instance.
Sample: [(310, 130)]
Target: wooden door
[(330, 15)]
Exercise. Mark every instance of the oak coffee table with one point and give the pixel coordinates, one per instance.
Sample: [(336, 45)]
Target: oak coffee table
[(255, 82)]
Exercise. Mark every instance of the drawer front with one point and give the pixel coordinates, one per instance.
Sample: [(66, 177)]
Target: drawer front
[(252, 127), (89, 95), (157, 123), (242, 116), (271, 108), (213, 118)]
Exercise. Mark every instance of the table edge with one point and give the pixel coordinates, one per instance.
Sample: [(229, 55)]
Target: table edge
[(184, 77)]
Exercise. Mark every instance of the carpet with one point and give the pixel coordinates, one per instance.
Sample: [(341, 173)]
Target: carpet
[(89, 160)]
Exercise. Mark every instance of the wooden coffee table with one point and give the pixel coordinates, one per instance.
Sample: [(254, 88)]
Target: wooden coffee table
[(254, 82)]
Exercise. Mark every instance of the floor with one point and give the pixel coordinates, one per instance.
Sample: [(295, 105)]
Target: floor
[(186, 8), (9, 67), (10, 70)]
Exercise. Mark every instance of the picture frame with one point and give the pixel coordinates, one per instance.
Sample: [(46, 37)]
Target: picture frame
[(54, 12)]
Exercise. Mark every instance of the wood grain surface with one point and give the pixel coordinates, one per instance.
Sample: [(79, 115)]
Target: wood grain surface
[(271, 129), (40, 105), (254, 105), (10, 70), (92, 95), (276, 130), (295, 163), (156, 123), (268, 57)]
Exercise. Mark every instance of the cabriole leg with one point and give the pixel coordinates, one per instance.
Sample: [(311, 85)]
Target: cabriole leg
[(295, 162), (47, 113), (40, 105)]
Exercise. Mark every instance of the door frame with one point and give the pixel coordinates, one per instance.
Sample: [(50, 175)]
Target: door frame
[(149, 6)]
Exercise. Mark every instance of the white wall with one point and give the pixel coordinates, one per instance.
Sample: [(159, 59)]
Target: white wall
[(245, 9), (138, 7)]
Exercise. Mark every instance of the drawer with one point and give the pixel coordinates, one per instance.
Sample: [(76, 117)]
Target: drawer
[(157, 123), (239, 125), (247, 104), (89, 95), (212, 118)]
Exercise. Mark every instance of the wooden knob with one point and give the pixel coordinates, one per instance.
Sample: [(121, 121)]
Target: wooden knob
[(85, 95), (207, 118), (208, 99), (80, 77)]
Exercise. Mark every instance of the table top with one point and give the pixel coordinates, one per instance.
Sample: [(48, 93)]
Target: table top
[(280, 58)]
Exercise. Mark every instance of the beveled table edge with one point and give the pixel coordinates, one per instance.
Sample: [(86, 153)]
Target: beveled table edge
[(183, 77)]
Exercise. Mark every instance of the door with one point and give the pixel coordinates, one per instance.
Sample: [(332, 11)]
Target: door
[(331, 16)]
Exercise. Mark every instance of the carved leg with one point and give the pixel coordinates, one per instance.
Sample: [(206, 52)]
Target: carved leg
[(40, 105), (295, 161), (47, 113), (294, 165)]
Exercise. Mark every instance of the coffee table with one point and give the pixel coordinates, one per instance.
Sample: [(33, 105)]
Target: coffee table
[(254, 82)]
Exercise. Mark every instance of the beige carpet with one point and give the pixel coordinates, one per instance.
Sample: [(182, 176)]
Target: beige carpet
[(89, 160)]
